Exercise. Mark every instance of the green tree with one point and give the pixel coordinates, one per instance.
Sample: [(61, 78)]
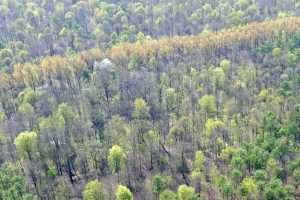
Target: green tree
[(207, 104), (93, 191), (294, 123), (185, 192), (27, 112), (275, 190), (213, 124), (249, 188), (123, 193), (134, 62), (225, 187), (159, 183), (272, 167), (226, 66), (31, 76), (218, 78), (296, 174), (199, 159), (140, 37), (276, 52), (6, 57), (237, 163), (12, 183), (141, 109), (168, 195), (197, 174), (171, 98), (25, 143), (28, 95), (177, 132), (116, 159)]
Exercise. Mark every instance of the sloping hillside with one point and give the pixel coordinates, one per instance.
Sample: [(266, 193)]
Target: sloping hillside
[(213, 116)]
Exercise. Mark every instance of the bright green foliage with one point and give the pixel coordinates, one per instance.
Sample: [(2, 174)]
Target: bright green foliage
[(227, 153), (263, 94), (207, 104), (185, 192), (274, 190), (196, 175), (141, 109), (116, 158), (276, 53), (249, 188), (225, 65), (28, 96), (25, 143), (213, 124), (12, 184), (26, 109), (123, 193), (167, 195), (93, 191), (199, 159)]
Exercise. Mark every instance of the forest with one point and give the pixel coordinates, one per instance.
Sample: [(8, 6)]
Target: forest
[(149, 100)]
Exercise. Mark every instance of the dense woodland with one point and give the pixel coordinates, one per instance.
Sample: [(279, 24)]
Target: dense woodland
[(34, 28), (149, 100)]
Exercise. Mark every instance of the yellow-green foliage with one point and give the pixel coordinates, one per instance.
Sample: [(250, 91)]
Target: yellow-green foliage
[(116, 158), (93, 191), (123, 193), (185, 192), (141, 108), (249, 188), (25, 143), (199, 159), (207, 103), (213, 124)]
